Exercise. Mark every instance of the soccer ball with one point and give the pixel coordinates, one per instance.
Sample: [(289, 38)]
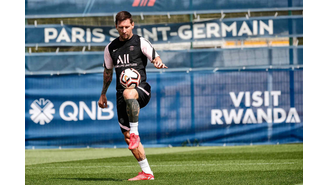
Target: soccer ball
[(130, 78)]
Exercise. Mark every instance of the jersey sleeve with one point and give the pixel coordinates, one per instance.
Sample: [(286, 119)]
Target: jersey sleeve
[(108, 61), (148, 49)]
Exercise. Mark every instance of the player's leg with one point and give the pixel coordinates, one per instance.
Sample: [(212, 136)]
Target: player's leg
[(132, 110), (139, 154), (136, 99)]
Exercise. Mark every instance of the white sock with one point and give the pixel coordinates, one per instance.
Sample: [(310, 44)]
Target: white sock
[(145, 166), (134, 128)]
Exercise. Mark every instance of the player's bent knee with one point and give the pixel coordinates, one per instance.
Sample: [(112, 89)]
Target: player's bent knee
[(130, 94)]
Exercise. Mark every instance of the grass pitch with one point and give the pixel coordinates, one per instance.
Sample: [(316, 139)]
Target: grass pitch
[(263, 164)]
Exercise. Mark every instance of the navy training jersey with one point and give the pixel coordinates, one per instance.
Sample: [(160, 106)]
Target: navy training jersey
[(132, 53)]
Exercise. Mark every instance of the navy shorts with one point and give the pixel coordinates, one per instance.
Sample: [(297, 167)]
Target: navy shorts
[(144, 93)]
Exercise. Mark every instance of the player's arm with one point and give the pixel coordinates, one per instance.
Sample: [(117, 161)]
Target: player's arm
[(149, 51), (107, 78), (158, 63)]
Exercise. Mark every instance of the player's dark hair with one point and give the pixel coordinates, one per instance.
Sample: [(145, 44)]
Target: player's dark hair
[(123, 15)]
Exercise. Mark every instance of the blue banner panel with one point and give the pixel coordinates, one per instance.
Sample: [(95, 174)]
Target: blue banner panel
[(237, 28), (52, 63), (196, 108), (78, 62), (43, 8)]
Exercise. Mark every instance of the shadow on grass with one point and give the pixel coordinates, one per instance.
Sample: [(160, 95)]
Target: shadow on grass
[(93, 179)]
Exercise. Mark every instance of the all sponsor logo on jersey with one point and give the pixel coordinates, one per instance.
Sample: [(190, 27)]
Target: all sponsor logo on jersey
[(42, 111), (124, 62)]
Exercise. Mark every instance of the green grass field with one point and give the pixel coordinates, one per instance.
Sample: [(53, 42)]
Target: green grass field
[(268, 164)]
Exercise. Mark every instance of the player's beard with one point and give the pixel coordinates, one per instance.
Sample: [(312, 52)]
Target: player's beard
[(125, 37)]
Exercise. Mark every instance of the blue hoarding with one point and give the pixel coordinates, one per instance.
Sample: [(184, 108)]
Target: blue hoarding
[(90, 62), (237, 28), (195, 108)]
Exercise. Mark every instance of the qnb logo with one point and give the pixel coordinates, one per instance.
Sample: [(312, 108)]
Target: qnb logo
[(42, 111), (143, 2)]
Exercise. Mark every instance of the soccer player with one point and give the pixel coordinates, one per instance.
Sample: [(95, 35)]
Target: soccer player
[(130, 51)]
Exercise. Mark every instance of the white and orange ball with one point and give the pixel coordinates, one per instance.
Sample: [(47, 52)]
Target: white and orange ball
[(130, 78)]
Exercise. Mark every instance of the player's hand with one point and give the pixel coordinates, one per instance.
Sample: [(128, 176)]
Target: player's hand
[(158, 63), (102, 103)]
